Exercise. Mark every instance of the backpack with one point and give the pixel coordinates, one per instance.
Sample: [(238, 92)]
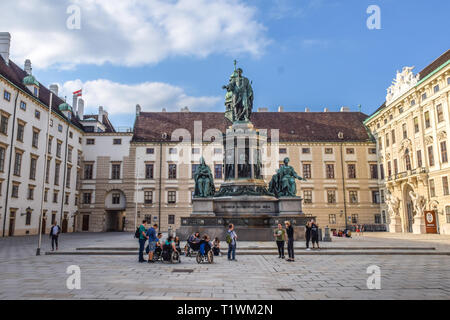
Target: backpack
[(228, 238), (137, 234)]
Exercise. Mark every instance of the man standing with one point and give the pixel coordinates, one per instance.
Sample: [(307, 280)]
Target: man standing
[(142, 240), (54, 233), (231, 238), (152, 239)]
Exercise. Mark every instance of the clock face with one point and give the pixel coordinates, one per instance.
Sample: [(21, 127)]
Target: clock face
[(430, 217)]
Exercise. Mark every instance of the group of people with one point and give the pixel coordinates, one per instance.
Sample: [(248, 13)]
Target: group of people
[(155, 242), (311, 234)]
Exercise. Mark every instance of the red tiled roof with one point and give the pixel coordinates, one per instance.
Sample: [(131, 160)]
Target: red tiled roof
[(293, 126)]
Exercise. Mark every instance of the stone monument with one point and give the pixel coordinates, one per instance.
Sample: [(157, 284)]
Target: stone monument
[(243, 198)]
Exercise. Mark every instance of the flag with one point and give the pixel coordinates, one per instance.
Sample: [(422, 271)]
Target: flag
[(77, 93)]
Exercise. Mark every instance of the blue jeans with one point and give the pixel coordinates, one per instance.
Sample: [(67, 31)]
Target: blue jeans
[(141, 249), (232, 251)]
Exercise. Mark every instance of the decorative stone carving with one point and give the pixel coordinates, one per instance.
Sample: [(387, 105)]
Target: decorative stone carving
[(419, 203), (428, 140), (406, 144), (403, 81), (442, 135), (393, 204)]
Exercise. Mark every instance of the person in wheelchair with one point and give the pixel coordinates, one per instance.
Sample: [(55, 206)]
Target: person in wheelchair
[(169, 251), (158, 248), (193, 244), (205, 253)]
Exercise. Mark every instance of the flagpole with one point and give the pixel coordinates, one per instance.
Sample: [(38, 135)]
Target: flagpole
[(38, 250)]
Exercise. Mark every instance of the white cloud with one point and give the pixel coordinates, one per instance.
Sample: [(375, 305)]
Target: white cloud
[(118, 98), (130, 32)]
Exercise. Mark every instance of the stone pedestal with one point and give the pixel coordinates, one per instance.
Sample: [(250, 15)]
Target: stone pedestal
[(290, 206), (419, 225), (203, 207), (396, 225)]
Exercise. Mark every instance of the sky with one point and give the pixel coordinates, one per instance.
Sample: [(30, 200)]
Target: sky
[(175, 53)]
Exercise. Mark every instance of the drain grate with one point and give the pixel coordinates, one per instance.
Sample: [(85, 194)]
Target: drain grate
[(183, 270), (285, 289)]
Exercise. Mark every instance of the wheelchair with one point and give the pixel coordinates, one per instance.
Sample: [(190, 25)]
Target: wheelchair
[(191, 247), (167, 254), (205, 254)]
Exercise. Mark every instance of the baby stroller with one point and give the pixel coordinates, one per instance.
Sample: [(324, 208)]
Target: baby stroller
[(205, 254)]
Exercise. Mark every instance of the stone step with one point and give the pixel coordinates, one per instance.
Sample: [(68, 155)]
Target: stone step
[(271, 248), (259, 252)]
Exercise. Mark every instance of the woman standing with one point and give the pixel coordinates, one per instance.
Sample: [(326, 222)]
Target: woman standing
[(315, 233), (308, 234), (280, 237), (290, 234)]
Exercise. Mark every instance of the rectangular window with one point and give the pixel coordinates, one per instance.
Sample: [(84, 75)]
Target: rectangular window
[(282, 150), (49, 147), (307, 171), (394, 138), (30, 193), (387, 140), (148, 197), (432, 188), (375, 197), (405, 131), (380, 144), (55, 197), (149, 171), (117, 141), (20, 131), (430, 156), (350, 151), (444, 152), (35, 140), (28, 218), (194, 167), (332, 218), (172, 197), (69, 171), (419, 159), (389, 169), (395, 166), (60, 127), (90, 141), (372, 151), (172, 171), (307, 196), (217, 150), (306, 150), (424, 96), (413, 102), (87, 197), (416, 125), (150, 151), (171, 219), (115, 171), (381, 196), (440, 113), (58, 149), (436, 88), (17, 164), (377, 218), (331, 196), (2, 159), (23, 106), (37, 114), (373, 171), (445, 186), (7, 95), (381, 171), (116, 198), (172, 150), (427, 120), (218, 168), (353, 196), (354, 218), (351, 169), (88, 171), (4, 124), (447, 211), (33, 162), (15, 191), (330, 170), (328, 150), (57, 167), (47, 171)]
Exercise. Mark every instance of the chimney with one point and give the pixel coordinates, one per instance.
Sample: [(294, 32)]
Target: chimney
[(138, 110), (306, 109), (100, 114), (280, 109), (345, 109), (185, 109), (263, 109), (5, 44), (80, 108), (27, 66), (163, 110), (326, 110), (54, 88)]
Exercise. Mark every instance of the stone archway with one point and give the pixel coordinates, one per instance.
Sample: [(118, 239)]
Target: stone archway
[(408, 209), (115, 205)]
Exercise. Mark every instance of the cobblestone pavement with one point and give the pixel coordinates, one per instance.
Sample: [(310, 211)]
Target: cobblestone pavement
[(23, 275)]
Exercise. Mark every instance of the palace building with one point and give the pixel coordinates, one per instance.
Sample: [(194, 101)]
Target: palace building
[(88, 176), (411, 129)]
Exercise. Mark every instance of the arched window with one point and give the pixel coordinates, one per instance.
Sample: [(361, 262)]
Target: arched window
[(407, 160)]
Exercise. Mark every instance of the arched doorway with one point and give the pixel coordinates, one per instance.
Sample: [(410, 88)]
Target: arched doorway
[(115, 204), (408, 208)]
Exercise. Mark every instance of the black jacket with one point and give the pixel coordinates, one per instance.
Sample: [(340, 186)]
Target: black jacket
[(290, 232), (51, 231)]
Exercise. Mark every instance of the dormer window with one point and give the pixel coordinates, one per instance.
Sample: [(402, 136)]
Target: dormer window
[(36, 92)]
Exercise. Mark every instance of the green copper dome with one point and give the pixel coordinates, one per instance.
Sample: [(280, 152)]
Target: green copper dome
[(30, 80), (65, 107)]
